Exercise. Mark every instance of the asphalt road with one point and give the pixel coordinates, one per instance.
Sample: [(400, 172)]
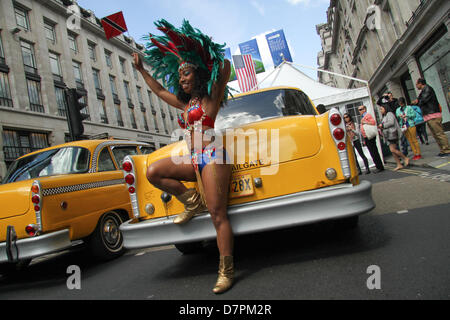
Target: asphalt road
[(399, 251)]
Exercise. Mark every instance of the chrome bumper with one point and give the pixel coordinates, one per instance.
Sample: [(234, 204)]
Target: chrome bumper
[(34, 247), (276, 213)]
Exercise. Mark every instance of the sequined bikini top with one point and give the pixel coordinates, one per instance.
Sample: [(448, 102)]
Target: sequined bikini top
[(194, 112)]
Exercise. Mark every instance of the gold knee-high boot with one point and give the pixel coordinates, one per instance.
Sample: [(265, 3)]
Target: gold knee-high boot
[(226, 273), (193, 205)]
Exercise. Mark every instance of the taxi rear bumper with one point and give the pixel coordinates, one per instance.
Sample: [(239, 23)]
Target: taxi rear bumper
[(13, 250), (334, 202)]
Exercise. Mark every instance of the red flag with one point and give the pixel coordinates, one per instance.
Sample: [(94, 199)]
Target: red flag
[(245, 72), (114, 25)]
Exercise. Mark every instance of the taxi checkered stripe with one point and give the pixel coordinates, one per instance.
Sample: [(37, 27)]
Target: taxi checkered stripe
[(80, 187)]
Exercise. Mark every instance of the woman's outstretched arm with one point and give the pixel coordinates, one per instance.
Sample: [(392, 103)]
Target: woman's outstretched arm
[(155, 86), (218, 89)]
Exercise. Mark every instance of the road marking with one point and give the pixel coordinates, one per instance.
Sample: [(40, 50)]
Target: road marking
[(402, 212), (141, 252), (443, 177), (443, 165)]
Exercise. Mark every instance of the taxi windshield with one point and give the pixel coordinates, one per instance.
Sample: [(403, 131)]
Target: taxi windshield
[(263, 105), (52, 162)]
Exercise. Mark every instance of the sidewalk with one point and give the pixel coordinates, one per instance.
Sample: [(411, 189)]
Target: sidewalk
[(429, 156)]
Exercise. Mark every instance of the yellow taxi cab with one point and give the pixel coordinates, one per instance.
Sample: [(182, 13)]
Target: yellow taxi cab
[(64, 193), (291, 166)]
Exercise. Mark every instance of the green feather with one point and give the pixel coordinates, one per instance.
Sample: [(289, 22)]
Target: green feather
[(165, 66)]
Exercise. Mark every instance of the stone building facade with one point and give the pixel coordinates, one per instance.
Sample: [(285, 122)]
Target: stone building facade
[(48, 45), (390, 44)]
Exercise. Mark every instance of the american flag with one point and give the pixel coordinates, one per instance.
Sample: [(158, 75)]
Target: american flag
[(245, 72)]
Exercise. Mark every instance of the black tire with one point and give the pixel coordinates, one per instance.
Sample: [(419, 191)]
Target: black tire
[(189, 247), (106, 242), (349, 223), (12, 268)]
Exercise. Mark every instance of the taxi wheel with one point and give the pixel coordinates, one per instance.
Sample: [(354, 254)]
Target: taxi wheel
[(12, 268), (106, 242), (189, 247), (349, 223)]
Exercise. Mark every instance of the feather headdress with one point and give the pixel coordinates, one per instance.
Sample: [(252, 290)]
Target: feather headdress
[(165, 54)]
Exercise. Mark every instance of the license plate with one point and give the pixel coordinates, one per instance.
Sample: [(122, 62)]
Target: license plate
[(241, 186)]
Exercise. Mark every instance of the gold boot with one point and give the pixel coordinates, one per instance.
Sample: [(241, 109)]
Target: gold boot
[(193, 205), (226, 271)]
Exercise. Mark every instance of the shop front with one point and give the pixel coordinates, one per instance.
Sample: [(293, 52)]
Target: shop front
[(434, 62)]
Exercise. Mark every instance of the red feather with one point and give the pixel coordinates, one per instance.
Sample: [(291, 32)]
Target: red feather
[(165, 49)]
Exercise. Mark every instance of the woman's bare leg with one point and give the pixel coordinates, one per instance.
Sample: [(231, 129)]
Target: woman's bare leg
[(167, 174), (216, 188)]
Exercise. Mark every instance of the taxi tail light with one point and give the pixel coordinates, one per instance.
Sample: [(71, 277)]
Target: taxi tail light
[(339, 135), (36, 200), (129, 176), (32, 230)]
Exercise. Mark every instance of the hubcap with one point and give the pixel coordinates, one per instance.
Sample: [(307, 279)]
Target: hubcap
[(111, 233)]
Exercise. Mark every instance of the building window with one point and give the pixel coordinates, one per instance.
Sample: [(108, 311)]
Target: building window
[(133, 118), (22, 18), (61, 101), (144, 119), (19, 143), (136, 76), (102, 111), (55, 66), (34, 95), (73, 42), (92, 52), (50, 31), (2, 53), (163, 116), (126, 86), (85, 110), (118, 115), (139, 93), (78, 74), (122, 65), (155, 123), (112, 82), (108, 58), (98, 84), (5, 92), (29, 61)]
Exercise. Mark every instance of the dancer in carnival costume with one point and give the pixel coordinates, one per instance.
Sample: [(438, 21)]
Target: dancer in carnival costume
[(194, 66)]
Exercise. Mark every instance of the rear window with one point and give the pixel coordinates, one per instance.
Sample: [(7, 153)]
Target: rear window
[(53, 162), (263, 105), (122, 152)]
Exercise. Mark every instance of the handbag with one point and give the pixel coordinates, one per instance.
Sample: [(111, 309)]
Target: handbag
[(371, 131)]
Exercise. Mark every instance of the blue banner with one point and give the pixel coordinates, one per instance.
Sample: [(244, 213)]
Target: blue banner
[(278, 47), (251, 47)]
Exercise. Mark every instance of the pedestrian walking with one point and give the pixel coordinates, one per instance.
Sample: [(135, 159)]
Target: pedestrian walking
[(355, 137), (370, 141), (432, 114), (390, 103), (391, 134), (406, 117), (421, 129)]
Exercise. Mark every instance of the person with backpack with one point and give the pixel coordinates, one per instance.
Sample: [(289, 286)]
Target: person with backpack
[(406, 118), (421, 129)]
